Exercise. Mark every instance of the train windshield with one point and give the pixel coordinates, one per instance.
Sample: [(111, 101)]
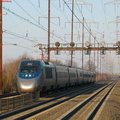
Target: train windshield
[(29, 67), (26, 69)]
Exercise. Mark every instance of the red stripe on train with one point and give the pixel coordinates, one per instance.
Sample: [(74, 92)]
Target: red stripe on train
[(27, 89)]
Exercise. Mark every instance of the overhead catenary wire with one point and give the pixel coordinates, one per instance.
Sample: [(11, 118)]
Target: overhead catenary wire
[(80, 21), (106, 19), (83, 16), (18, 35), (39, 13), (41, 27), (88, 10), (106, 22), (18, 45)]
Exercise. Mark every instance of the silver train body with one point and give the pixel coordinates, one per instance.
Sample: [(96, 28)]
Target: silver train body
[(36, 75)]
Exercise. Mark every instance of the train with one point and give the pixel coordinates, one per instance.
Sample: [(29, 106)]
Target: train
[(38, 75)]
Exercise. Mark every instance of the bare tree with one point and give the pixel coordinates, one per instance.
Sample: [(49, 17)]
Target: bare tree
[(68, 63), (10, 73), (91, 64), (56, 61)]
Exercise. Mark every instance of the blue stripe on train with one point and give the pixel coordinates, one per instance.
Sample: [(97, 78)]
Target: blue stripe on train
[(28, 75)]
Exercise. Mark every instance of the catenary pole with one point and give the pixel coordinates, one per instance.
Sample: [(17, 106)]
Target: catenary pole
[(48, 30), (72, 31), (0, 47), (83, 43)]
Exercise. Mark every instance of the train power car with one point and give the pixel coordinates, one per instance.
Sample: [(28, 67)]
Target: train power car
[(37, 75)]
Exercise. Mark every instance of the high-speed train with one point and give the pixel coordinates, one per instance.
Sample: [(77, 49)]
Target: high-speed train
[(37, 75)]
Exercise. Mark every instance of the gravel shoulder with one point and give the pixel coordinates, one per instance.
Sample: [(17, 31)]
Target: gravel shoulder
[(110, 110)]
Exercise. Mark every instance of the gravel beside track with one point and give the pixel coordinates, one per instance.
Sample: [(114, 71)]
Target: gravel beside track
[(110, 110)]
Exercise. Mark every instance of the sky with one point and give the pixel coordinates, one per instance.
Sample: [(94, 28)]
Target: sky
[(26, 24)]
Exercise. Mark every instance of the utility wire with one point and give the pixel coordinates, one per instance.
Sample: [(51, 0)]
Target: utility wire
[(80, 21), (83, 15), (105, 18), (18, 35), (30, 15), (56, 35), (19, 45), (44, 15)]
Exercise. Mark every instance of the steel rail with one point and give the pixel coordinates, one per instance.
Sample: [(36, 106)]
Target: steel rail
[(70, 113), (94, 111), (8, 95)]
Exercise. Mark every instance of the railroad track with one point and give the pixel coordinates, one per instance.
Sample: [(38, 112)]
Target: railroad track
[(89, 107), (12, 102), (16, 102), (59, 112), (8, 95), (42, 107)]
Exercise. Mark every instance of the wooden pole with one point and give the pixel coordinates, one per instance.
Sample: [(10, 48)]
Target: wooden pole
[(0, 47), (83, 43), (48, 30), (72, 31)]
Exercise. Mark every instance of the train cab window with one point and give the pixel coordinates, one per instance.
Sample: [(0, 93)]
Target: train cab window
[(48, 72), (33, 70), (24, 71), (28, 69)]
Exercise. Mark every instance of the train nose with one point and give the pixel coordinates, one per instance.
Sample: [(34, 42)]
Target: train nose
[(28, 86)]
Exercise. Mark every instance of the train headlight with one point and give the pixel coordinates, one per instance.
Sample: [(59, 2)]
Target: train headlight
[(30, 75), (26, 75)]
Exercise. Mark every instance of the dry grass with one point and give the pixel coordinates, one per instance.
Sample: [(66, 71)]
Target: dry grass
[(9, 74)]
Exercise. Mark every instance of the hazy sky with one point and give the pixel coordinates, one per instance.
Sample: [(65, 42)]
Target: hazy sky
[(25, 24)]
